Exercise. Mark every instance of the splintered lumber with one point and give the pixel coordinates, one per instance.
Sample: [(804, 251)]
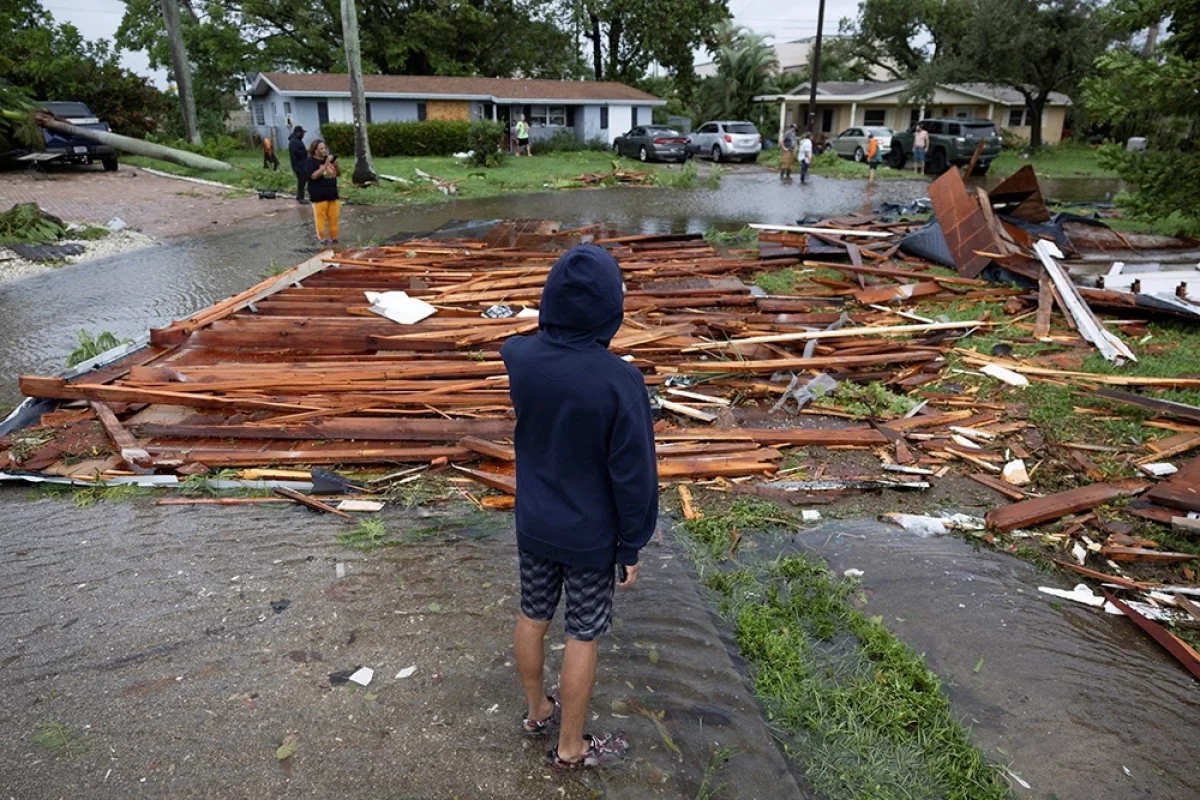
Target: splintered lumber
[(503, 452), (492, 480), (127, 446), (819, 362), (312, 503), (1184, 654), (1169, 407), (1058, 505), (1109, 345), (892, 330), (825, 231), (897, 294), (59, 389), (1104, 577), (1122, 553), (220, 501), (687, 411), (1045, 307), (997, 485), (978, 359), (687, 504)]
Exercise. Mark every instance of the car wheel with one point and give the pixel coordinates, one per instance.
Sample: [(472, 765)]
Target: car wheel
[(938, 163), (859, 155), (716, 153), (110, 164), (896, 157), (642, 154)]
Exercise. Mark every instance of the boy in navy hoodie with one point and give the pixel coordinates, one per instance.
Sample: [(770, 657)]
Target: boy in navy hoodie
[(587, 489)]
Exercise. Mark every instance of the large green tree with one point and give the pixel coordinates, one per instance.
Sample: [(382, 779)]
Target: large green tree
[(745, 69), (54, 62), (227, 39), (902, 37), (626, 36), (1034, 47), (1156, 96)]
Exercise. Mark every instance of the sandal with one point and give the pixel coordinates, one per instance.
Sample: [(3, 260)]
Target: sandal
[(602, 749), (534, 728)]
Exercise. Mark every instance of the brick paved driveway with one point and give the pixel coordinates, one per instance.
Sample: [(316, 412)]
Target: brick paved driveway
[(159, 207)]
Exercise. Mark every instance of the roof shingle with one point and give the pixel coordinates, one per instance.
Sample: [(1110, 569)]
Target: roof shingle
[(500, 89)]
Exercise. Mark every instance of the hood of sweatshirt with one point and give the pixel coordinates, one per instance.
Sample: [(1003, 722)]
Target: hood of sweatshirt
[(583, 301)]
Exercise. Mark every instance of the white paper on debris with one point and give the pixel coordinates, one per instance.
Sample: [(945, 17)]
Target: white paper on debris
[(363, 676), (399, 307)]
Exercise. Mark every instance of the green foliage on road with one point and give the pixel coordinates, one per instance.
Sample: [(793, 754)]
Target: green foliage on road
[(857, 709), (90, 347), (26, 223)]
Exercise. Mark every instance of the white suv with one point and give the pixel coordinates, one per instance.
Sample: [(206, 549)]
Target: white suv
[(727, 140)]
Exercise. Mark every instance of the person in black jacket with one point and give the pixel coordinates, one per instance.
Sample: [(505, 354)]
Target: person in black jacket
[(299, 155), (587, 488)]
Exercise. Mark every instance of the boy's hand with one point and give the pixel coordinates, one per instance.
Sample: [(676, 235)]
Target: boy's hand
[(630, 577)]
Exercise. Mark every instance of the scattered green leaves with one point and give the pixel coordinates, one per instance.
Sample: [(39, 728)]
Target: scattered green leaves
[(60, 740), (288, 748), (370, 534), (90, 347)]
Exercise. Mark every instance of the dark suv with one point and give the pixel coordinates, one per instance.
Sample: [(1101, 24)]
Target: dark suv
[(951, 142), (77, 150)]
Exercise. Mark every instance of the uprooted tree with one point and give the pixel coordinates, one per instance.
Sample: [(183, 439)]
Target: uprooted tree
[(1152, 92)]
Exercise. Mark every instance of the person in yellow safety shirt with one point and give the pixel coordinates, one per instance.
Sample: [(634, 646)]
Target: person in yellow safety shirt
[(523, 136)]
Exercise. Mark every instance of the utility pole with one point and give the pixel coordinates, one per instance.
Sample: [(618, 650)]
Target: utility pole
[(182, 70), (364, 168), (816, 71)]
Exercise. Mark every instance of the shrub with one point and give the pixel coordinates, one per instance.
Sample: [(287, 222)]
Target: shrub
[(1013, 141), (568, 142), (483, 139), (430, 138)]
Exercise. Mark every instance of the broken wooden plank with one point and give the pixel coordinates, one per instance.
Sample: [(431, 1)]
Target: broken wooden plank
[(997, 485), (127, 446), (1041, 325), (803, 336), (312, 503), (1169, 407), (1105, 577), (1109, 345), (687, 504), (1177, 648), (503, 452), (1143, 554), (1058, 505), (492, 480)]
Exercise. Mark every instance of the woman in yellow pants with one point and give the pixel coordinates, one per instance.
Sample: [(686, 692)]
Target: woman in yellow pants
[(322, 172)]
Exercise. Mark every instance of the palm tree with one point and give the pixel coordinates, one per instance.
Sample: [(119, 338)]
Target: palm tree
[(745, 68)]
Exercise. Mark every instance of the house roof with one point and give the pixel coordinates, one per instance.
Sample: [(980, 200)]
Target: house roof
[(866, 90), (498, 90)]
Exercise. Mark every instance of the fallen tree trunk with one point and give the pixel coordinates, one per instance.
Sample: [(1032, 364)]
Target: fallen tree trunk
[(129, 145)]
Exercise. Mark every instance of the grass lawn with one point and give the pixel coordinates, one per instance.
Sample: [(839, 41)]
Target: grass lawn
[(514, 176), (1066, 160), (828, 165)]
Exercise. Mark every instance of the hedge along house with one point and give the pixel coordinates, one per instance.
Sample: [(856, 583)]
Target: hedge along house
[(590, 110), (850, 104)]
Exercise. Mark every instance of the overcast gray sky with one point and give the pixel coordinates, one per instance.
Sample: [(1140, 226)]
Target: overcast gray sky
[(780, 19)]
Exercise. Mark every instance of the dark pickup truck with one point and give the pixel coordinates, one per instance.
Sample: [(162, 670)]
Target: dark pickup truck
[(952, 142), (77, 150)]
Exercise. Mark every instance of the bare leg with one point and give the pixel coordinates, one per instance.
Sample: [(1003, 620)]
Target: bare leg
[(528, 642), (578, 676)]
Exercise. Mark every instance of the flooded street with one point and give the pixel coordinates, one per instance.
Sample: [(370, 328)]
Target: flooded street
[(159, 637), (1081, 704)]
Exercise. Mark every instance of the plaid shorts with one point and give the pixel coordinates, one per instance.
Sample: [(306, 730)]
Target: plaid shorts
[(589, 595)]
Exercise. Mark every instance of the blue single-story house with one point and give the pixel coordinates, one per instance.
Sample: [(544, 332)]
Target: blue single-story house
[(590, 109)]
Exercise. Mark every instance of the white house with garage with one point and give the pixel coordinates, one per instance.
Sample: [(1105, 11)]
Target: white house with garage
[(279, 101)]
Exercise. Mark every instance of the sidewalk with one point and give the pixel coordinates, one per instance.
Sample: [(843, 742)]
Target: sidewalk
[(156, 206)]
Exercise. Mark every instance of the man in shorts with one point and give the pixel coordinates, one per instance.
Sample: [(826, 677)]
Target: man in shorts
[(523, 136), (587, 490), (920, 145)]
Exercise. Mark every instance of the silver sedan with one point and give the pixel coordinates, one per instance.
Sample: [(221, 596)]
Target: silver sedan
[(852, 142)]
